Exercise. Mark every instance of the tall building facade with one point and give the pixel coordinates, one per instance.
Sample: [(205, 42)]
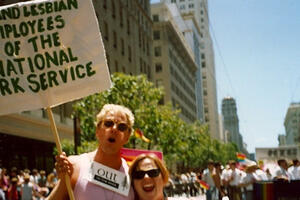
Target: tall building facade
[(173, 61), (126, 29), (292, 124), (231, 121), (281, 140), (199, 9)]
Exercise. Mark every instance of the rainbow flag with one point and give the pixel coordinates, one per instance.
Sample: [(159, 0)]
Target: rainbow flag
[(139, 134), (264, 190), (130, 154), (240, 157), (203, 184)]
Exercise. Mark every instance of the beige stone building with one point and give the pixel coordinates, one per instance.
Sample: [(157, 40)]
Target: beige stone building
[(272, 154), (126, 29), (199, 8), (174, 62)]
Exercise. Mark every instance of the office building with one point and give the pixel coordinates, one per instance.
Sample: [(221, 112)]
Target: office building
[(292, 124), (231, 121), (199, 9), (173, 61)]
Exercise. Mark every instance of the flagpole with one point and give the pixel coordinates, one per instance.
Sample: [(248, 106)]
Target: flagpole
[(59, 149)]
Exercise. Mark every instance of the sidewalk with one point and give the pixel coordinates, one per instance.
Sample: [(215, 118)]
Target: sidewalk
[(200, 197)]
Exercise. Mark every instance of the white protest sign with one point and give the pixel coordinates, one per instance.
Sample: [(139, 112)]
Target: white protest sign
[(110, 178), (51, 52)]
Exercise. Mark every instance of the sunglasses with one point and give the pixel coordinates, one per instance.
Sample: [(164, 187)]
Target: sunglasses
[(120, 126), (141, 174)]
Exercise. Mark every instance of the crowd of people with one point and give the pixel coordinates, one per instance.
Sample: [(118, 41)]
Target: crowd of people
[(236, 180), (149, 176), (25, 184)]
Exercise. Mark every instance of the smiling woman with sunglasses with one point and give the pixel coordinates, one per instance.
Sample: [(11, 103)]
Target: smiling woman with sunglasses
[(148, 176)]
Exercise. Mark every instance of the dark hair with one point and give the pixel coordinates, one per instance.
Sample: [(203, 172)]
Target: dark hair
[(295, 161), (280, 161)]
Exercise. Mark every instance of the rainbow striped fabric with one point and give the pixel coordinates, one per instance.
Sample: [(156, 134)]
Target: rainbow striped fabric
[(203, 184), (240, 157), (130, 154), (264, 191)]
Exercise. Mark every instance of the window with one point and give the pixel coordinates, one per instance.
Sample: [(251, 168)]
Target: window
[(149, 72), (202, 56), (122, 47), (121, 15), (156, 35), (155, 18), (158, 67), (157, 51), (143, 44), (116, 66), (203, 65), (141, 66), (108, 61), (140, 38), (128, 26), (191, 5), (205, 92), (123, 69), (115, 39), (113, 8), (105, 31), (270, 153), (129, 53), (104, 4), (147, 48), (173, 1), (206, 109), (182, 7)]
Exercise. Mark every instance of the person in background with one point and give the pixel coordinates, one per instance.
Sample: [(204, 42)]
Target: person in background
[(27, 190), (216, 175), (212, 192), (268, 174), (234, 179), (148, 177), (113, 129), (248, 180), (4, 180), (51, 181), (2, 194), (295, 170), (12, 192), (42, 184), (281, 173)]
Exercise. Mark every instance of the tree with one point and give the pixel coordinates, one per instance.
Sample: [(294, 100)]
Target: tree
[(183, 144)]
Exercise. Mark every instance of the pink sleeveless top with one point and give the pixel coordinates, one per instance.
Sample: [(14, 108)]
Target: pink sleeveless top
[(85, 190)]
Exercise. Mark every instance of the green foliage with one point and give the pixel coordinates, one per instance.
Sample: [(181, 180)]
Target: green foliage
[(185, 145)]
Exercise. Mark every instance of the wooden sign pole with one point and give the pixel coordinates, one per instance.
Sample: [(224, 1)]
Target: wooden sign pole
[(59, 149)]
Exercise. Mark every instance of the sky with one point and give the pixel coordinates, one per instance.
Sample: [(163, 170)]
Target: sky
[(257, 61)]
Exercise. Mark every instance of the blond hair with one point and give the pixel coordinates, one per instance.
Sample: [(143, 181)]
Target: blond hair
[(115, 108)]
